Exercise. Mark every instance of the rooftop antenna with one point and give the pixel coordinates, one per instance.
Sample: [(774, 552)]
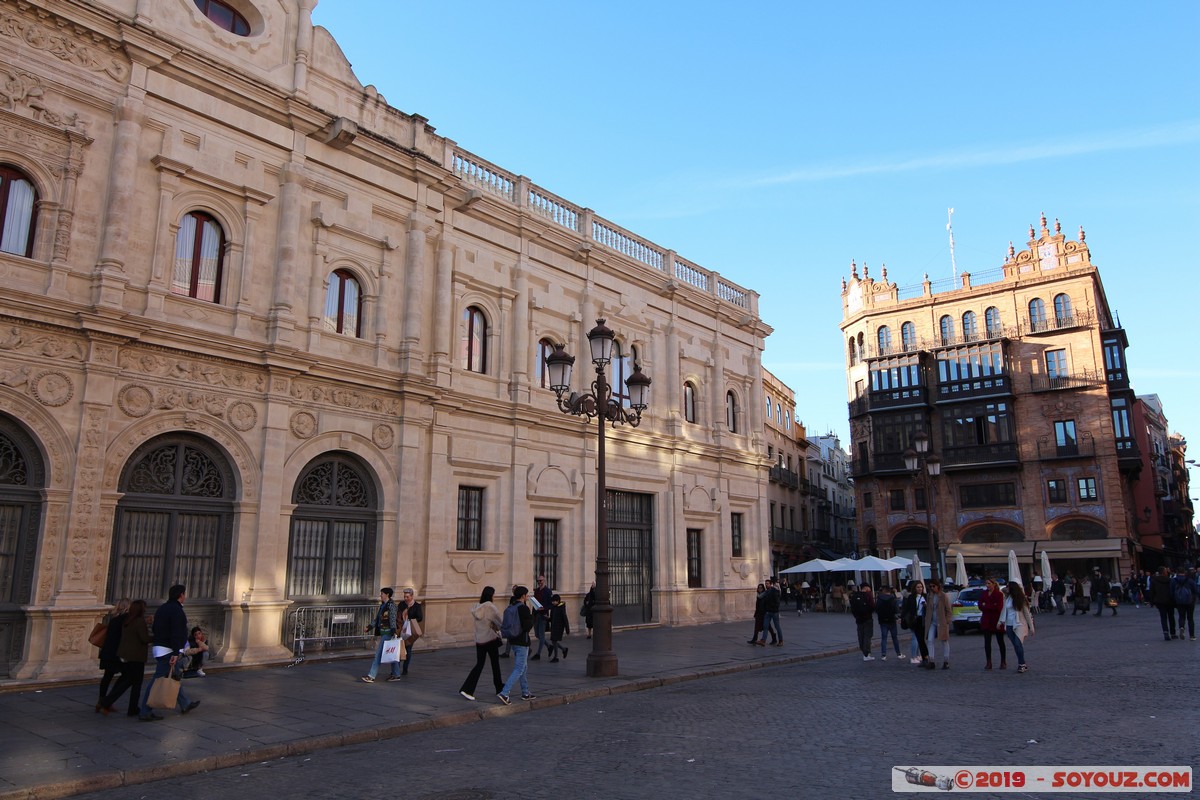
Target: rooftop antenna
[(950, 228)]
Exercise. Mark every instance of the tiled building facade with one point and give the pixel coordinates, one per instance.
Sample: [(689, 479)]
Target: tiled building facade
[(265, 335), (1019, 380)]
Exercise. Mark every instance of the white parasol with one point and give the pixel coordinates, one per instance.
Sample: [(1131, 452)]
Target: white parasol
[(960, 570), (1014, 569), (1046, 573), (814, 565)]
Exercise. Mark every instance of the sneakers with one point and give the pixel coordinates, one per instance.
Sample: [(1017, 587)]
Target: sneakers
[(883, 658), (467, 695), (393, 677), (504, 699), (868, 658), (900, 658), (529, 697), (1023, 668), (200, 673), (367, 679)]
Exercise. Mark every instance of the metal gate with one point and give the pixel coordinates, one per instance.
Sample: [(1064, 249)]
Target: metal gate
[(630, 556)]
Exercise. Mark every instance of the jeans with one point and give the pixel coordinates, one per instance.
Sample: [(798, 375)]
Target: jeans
[(936, 644), (162, 668), (1017, 646), (1167, 618), (771, 620), (482, 653), (865, 629), (886, 628), (1187, 614), (1059, 604), (539, 630), (374, 670), (520, 663), (918, 632)]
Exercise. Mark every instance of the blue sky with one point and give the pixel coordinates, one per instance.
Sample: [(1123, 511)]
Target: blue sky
[(773, 142)]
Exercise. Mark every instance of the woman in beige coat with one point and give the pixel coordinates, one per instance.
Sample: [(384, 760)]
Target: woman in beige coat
[(487, 643), (939, 623)]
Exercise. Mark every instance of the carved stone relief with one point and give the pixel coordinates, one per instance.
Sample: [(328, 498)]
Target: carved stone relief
[(58, 43), (52, 388), (303, 425), (346, 398), (383, 436), (191, 370), (242, 416)]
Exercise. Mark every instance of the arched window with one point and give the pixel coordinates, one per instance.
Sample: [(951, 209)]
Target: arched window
[(991, 319), (332, 543), (769, 407), (199, 257), (473, 347), (174, 522), (689, 402), (1062, 310), (18, 205), (908, 337), (544, 348), (622, 368), (788, 419), (731, 412), (22, 482), (884, 336), (343, 304), (946, 329), (224, 16), (970, 328), (853, 352), (778, 412), (1037, 314)]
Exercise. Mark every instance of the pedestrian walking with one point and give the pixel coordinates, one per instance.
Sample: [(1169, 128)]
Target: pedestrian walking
[(1058, 591), (760, 597), (1081, 603), (1018, 622), (515, 626), (385, 626), (487, 620), (109, 662), (991, 607), (886, 611), (589, 600), (508, 647), (131, 653), (170, 632), (541, 615), (939, 623), (862, 606), (1101, 589), (771, 615), (411, 620), (1183, 593), (1162, 598), (559, 627), (913, 615)]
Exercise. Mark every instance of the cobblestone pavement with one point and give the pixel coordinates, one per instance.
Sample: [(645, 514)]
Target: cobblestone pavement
[(1102, 691)]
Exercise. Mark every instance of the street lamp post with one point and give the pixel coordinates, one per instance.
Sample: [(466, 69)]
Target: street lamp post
[(599, 403), (933, 468)]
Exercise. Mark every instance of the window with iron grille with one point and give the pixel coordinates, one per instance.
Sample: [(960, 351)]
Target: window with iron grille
[(545, 550), (735, 531), (470, 518), (694, 542)]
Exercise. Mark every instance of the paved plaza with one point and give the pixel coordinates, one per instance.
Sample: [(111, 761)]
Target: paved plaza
[(696, 711)]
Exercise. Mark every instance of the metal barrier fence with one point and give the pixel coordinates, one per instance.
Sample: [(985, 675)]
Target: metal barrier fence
[(317, 629)]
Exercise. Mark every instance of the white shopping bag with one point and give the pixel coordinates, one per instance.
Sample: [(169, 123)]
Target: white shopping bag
[(392, 651)]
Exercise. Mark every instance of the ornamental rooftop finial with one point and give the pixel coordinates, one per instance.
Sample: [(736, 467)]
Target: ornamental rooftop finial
[(853, 270), (1082, 235)]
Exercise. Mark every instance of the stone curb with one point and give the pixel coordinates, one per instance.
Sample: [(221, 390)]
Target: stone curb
[(114, 779)]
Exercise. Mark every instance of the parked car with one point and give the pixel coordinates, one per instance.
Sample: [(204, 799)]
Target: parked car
[(965, 608)]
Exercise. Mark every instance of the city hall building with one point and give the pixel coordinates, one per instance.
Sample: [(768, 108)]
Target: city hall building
[(267, 336)]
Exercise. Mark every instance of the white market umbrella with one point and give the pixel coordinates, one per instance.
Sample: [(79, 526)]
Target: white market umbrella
[(960, 570), (904, 563), (1046, 569), (875, 564), (1014, 569), (813, 565), (916, 567)]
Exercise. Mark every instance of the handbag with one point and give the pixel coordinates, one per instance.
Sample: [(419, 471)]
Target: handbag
[(1112, 602), (393, 650), (164, 693), (411, 631), (98, 635)]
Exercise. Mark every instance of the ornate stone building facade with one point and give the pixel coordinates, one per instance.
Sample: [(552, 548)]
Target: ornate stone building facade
[(1018, 379), (265, 335)]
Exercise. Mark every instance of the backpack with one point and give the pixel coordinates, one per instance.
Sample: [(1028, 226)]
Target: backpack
[(1183, 592), (860, 607), (510, 625)]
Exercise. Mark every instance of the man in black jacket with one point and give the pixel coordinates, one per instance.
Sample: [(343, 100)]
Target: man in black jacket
[(1058, 590), (771, 615), (170, 632)]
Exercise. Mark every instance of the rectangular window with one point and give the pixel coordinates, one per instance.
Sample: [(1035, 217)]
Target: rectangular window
[(1087, 489), (893, 433), (545, 550), (987, 495), (919, 498), (735, 531), (896, 499), (694, 542), (975, 425), (1056, 363), (470, 518), (772, 515), (1056, 490), (868, 499)]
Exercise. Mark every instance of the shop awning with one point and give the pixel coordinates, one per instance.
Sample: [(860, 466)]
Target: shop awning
[(1028, 551)]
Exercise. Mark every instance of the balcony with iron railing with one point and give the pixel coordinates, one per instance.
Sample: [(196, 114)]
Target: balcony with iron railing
[(499, 184), (784, 476), (1050, 449), (1079, 379), (1061, 322), (983, 455), (889, 399), (996, 385), (786, 536), (878, 464)]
